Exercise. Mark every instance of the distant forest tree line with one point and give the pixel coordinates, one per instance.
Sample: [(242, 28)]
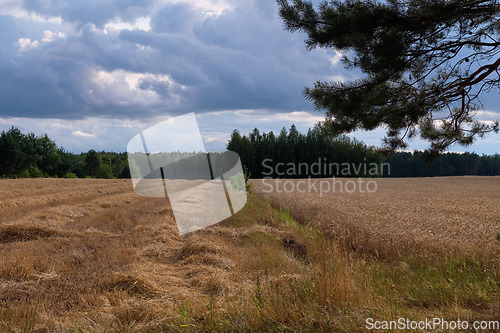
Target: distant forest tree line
[(292, 148), (296, 148), (27, 155)]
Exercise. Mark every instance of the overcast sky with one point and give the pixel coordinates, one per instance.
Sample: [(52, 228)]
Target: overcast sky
[(92, 74)]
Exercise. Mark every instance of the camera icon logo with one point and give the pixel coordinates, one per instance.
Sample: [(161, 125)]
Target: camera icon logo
[(169, 160)]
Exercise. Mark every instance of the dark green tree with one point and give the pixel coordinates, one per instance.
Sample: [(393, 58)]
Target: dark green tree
[(47, 155), (424, 65), (16, 152), (92, 161)]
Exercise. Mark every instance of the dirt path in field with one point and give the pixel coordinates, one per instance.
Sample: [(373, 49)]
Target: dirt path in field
[(449, 215)]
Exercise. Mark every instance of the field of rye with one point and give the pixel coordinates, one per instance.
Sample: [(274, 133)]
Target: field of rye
[(84, 255), (388, 217)]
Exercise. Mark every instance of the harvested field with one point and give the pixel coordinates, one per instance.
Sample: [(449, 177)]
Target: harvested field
[(89, 255), (447, 216)]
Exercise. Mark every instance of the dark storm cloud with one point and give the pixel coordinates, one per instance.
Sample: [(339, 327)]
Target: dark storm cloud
[(191, 59), (99, 71), (97, 12), (174, 18)]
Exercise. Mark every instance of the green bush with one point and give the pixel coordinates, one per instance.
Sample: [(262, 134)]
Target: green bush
[(247, 176), (238, 181), (23, 174), (105, 171), (34, 172), (70, 175)]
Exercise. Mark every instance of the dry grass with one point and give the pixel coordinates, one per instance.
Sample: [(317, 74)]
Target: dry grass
[(445, 216), (90, 255)]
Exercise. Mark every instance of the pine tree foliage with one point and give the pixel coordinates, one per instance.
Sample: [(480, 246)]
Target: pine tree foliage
[(424, 65)]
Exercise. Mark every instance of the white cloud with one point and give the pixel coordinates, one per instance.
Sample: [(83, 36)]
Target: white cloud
[(293, 117), (26, 44), (49, 36), (488, 115), (58, 125), (209, 7), (215, 136), (83, 134), (335, 58), (14, 8), (126, 88), (116, 25)]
